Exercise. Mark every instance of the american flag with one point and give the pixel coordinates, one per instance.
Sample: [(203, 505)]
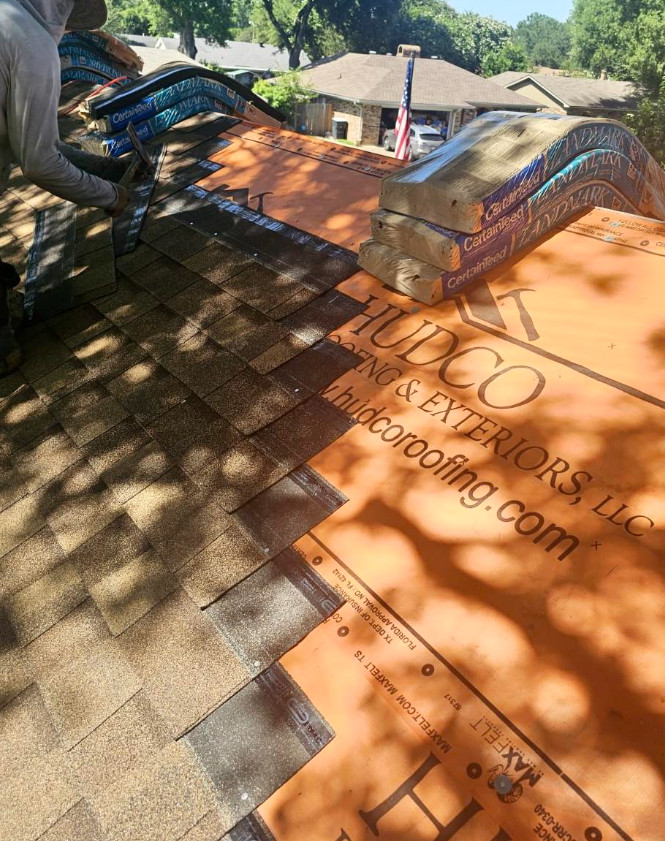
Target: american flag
[(403, 124)]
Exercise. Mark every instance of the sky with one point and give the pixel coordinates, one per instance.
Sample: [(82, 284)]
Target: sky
[(513, 11)]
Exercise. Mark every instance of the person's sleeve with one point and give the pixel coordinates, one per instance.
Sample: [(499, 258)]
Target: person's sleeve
[(32, 117)]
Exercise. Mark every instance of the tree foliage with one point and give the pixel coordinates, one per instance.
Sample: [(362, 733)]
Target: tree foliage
[(624, 37), (366, 24), (292, 22), (474, 38), (209, 19), (320, 27), (648, 123), (545, 40), (138, 18), (509, 57), (326, 26), (284, 92)]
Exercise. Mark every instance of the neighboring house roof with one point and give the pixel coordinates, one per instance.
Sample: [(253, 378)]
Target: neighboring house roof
[(154, 58), (238, 55), (379, 80), (577, 92), (234, 55)]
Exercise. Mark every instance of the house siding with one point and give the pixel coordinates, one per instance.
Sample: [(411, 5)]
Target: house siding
[(528, 89)]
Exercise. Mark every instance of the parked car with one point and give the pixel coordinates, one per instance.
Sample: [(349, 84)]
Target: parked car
[(423, 140)]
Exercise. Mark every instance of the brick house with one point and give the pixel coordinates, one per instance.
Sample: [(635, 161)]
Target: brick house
[(365, 91)]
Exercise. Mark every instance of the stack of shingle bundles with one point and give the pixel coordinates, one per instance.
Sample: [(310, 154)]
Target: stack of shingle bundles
[(96, 57), (155, 102), (501, 185)]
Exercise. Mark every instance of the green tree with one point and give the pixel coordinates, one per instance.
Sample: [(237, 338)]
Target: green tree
[(624, 37), (646, 58), (291, 22), (323, 27), (363, 24), (136, 18), (474, 37), (241, 20), (381, 25), (320, 36), (284, 92), (545, 40), (426, 23), (599, 41), (648, 123), (209, 19), (508, 57)]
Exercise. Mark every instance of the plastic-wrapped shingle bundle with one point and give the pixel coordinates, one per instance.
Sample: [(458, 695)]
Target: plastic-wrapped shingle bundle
[(500, 186), (155, 102), (96, 57), (118, 51)]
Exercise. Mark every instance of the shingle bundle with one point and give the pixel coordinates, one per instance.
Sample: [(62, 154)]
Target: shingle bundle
[(96, 57), (504, 182), (161, 99)]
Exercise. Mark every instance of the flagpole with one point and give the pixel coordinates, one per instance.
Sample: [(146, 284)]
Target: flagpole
[(403, 124)]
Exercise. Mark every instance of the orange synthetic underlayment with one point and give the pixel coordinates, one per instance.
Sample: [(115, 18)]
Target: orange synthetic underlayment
[(499, 669), (507, 615), (310, 184)]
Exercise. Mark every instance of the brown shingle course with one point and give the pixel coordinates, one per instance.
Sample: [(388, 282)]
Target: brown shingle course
[(128, 302), (179, 519), (159, 802), (131, 590), (218, 263), (203, 303), (62, 380), (225, 562), (29, 561), (88, 689), (112, 547), (193, 434), (148, 390), (126, 742), (247, 332), (278, 354), (238, 474), (39, 605), (185, 666), (109, 354), (115, 444), (201, 364), (78, 824), (379, 79), (88, 412), (251, 400), (164, 278)]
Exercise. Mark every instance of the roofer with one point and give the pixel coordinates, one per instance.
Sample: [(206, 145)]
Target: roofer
[(30, 31)]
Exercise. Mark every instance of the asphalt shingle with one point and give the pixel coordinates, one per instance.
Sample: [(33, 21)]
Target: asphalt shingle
[(131, 499)]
